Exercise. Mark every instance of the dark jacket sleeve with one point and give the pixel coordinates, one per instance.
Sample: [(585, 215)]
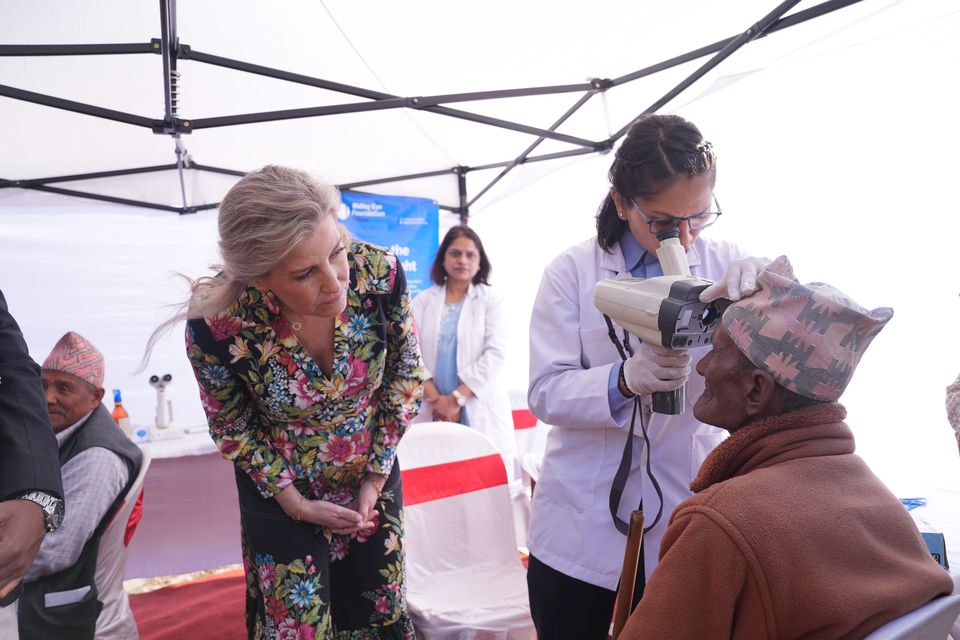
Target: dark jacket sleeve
[(28, 448)]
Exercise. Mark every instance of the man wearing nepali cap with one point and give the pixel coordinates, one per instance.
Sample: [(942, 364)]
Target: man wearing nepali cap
[(788, 534), (98, 464)]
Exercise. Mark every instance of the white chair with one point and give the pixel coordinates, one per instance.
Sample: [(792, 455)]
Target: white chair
[(116, 619), (932, 621), (531, 435), (463, 572)]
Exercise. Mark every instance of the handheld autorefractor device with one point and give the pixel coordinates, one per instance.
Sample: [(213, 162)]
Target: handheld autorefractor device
[(665, 310)]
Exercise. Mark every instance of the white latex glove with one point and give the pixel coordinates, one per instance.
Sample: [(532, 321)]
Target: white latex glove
[(655, 368), (740, 281)]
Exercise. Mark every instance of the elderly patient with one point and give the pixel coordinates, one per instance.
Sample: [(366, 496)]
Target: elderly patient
[(789, 534), (98, 464)]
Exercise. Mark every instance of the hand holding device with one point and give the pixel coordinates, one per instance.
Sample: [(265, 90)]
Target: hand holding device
[(653, 368), (666, 312)]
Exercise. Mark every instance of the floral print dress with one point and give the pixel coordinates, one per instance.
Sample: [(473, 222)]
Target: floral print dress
[(274, 413)]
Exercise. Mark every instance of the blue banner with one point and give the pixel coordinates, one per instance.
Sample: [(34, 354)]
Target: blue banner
[(409, 227)]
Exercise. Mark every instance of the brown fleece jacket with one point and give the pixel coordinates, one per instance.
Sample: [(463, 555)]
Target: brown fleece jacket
[(789, 535)]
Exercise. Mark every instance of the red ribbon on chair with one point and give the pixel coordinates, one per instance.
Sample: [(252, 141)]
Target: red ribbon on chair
[(134, 519), (523, 419), (425, 484)]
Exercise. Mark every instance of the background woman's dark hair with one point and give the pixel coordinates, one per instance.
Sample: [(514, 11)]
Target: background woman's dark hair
[(657, 149), (439, 275)]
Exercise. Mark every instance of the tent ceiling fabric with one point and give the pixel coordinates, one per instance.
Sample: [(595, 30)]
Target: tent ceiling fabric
[(428, 48)]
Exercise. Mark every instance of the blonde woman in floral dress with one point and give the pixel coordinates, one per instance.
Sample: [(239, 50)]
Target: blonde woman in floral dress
[(309, 373)]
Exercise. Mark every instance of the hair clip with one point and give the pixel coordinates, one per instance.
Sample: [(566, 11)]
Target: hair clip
[(706, 157)]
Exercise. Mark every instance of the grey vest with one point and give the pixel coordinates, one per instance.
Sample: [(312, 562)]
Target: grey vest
[(78, 620)]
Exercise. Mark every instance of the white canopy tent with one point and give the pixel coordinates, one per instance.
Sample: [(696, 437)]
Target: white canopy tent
[(838, 142)]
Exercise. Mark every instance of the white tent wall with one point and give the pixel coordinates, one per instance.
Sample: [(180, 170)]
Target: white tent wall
[(838, 147)]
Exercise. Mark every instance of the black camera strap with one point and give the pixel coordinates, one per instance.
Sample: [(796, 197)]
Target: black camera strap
[(626, 459)]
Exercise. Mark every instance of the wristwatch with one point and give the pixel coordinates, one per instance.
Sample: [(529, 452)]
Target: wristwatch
[(52, 507), (459, 397)]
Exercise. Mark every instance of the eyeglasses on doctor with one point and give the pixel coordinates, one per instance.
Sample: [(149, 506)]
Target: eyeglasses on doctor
[(695, 223)]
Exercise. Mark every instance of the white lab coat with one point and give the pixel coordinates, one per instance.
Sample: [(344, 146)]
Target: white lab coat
[(481, 348), (571, 356)]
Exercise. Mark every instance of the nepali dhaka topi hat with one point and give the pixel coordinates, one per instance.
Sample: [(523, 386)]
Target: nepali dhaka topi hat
[(809, 337), (76, 355)]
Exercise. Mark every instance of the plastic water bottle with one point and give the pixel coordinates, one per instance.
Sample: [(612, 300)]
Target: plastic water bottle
[(120, 415)]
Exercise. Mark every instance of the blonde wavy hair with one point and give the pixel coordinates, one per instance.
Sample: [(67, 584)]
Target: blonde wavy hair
[(261, 219)]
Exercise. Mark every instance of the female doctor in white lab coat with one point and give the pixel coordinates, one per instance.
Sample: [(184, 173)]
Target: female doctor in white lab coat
[(461, 326), (662, 176)]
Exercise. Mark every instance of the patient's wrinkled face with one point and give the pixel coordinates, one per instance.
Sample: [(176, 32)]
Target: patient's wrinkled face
[(725, 384), (68, 398)]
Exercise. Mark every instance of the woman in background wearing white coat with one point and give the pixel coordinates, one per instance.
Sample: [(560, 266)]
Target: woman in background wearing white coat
[(461, 324), (662, 176)]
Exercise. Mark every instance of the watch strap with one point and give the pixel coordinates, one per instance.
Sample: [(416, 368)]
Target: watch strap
[(52, 507)]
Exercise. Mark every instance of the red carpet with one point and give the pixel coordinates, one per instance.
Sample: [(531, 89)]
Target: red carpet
[(210, 608)]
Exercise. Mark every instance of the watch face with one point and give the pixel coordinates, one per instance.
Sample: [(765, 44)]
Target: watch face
[(56, 518)]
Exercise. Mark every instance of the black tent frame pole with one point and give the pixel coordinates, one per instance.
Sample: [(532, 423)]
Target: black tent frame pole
[(410, 176), (541, 158), (127, 201), (418, 102), (227, 172), (101, 197), (42, 184), (755, 31), (77, 107), (120, 172), (350, 186), (380, 100), (463, 209), (380, 105), (169, 48), (526, 152), (788, 21), (36, 50), (100, 174), (169, 44), (168, 35)]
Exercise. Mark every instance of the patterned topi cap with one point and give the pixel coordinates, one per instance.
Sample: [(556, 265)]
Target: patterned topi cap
[(809, 337), (76, 355)]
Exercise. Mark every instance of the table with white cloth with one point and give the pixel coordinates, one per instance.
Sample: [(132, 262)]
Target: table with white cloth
[(191, 519)]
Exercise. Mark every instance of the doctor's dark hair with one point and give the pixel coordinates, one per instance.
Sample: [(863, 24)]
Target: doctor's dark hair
[(657, 150), (439, 275)]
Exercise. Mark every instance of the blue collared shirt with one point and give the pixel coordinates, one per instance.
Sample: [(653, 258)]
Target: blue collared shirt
[(640, 262)]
